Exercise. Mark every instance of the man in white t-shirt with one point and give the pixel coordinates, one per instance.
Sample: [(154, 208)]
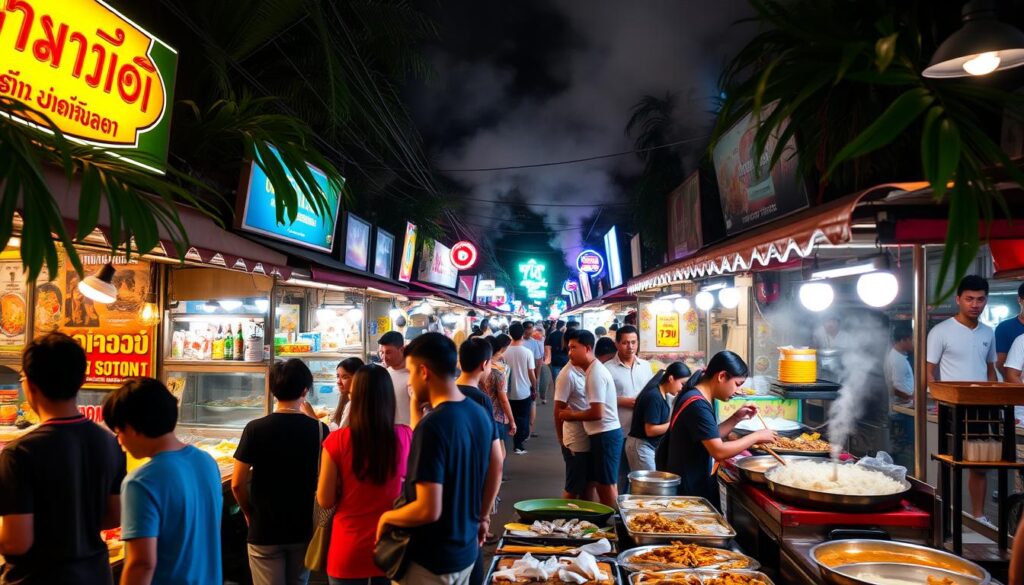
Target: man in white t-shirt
[(600, 420), (631, 374), (961, 349), (522, 377), (899, 376), (391, 351), (570, 392), (1014, 363)]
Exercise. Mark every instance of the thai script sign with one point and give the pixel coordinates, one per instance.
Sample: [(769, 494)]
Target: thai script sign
[(117, 345), (100, 78)]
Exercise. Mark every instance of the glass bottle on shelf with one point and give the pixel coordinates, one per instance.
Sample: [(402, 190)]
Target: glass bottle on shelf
[(229, 345), (218, 344), (239, 345)]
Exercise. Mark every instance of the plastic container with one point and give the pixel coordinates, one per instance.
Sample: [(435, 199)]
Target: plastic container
[(798, 365)]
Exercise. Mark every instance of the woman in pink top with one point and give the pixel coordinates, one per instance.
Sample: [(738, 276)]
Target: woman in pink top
[(363, 468)]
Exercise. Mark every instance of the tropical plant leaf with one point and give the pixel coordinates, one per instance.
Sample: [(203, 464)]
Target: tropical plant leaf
[(900, 114), (885, 51)]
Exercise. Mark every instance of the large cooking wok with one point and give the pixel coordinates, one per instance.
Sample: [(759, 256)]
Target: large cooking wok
[(835, 502)]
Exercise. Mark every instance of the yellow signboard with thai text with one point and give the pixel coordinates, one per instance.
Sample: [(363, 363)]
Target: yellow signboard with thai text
[(99, 77)]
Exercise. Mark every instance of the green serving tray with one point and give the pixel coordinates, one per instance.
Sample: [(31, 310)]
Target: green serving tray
[(554, 508)]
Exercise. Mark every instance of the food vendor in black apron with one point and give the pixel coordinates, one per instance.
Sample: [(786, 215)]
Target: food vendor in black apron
[(694, 444)]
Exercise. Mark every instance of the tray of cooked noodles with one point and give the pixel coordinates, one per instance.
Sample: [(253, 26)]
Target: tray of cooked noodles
[(807, 444), (683, 577), (661, 527), (684, 555), (887, 562), (666, 504)]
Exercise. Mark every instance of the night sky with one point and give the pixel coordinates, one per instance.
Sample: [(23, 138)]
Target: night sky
[(532, 82)]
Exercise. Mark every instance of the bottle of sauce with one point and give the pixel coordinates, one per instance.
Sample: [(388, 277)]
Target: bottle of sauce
[(218, 344), (229, 345), (239, 345)]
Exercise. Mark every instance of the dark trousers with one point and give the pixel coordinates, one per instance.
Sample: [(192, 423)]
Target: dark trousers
[(521, 414)]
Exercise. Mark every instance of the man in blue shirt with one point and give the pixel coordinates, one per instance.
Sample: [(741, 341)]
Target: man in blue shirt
[(1007, 332), (453, 475), (171, 506)]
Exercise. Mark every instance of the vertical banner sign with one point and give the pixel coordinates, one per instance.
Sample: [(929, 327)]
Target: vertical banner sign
[(635, 259), (408, 253), (467, 287), (685, 235), (667, 330), (117, 345), (100, 78), (13, 309)]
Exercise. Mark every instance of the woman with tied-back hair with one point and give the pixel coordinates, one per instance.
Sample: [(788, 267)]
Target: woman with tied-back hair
[(362, 470), (695, 443)]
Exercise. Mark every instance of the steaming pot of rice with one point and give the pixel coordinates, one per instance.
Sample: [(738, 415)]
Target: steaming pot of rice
[(853, 487)]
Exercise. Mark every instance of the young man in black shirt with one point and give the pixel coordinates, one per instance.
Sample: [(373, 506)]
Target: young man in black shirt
[(60, 483), (275, 477), (453, 475)]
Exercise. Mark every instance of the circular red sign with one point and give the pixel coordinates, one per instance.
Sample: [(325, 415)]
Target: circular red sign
[(464, 255)]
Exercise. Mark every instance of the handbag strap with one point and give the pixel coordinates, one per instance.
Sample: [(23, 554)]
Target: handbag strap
[(686, 403)]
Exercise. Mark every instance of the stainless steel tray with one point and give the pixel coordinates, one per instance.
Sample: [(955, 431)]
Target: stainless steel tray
[(690, 504), (905, 553), (703, 577), (626, 560), (718, 539), (615, 577)]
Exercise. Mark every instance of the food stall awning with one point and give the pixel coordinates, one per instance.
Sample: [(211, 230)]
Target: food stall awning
[(616, 295), (329, 270), (798, 234), (208, 242), (419, 290)]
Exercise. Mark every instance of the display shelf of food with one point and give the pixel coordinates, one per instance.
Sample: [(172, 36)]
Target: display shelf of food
[(216, 397), (322, 328)]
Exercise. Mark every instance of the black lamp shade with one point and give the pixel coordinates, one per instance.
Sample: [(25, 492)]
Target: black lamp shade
[(982, 33)]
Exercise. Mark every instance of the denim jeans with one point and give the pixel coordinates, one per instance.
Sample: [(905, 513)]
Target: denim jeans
[(278, 564), (640, 454)]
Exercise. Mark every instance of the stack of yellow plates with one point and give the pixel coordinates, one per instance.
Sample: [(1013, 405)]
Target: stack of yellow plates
[(798, 365)]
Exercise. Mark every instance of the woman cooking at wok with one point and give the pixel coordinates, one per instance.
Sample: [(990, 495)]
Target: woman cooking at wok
[(694, 445)]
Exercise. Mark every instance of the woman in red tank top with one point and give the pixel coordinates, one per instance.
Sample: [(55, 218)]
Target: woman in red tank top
[(363, 468)]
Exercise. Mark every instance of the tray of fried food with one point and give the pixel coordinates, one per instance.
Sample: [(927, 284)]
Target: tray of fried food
[(660, 527), (550, 570), (805, 444), (684, 577), (684, 555), (665, 504)]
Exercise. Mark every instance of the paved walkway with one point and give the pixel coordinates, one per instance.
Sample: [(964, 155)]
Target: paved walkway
[(538, 474)]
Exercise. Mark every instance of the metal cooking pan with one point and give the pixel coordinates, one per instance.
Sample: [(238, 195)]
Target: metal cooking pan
[(752, 468), (857, 552), (836, 502)]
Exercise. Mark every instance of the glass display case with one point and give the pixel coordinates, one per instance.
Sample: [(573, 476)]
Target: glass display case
[(216, 361), (322, 328)]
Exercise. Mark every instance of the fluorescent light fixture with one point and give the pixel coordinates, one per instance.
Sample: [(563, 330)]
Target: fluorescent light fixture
[(98, 287), (816, 296), (713, 286), (230, 305), (704, 300), (211, 306), (670, 297), (262, 305), (863, 267), (878, 289), (729, 297)]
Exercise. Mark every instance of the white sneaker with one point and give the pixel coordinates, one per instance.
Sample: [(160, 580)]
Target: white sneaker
[(986, 522), (520, 451)]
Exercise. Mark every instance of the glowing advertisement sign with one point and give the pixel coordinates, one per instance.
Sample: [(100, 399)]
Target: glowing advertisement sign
[(408, 253), (464, 255), (100, 78), (309, 230), (533, 281), (611, 249), (589, 262)]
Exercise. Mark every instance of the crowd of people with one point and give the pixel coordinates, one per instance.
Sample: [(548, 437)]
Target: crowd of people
[(413, 455)]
